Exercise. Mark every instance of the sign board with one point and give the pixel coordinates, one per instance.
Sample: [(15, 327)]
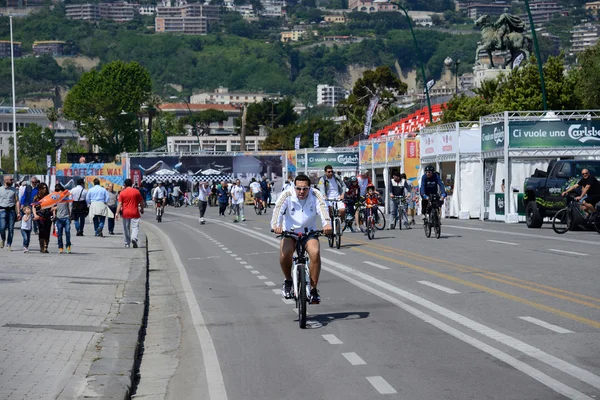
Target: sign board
[(492, 136), (567, 133), (499, 203), (319, 160)]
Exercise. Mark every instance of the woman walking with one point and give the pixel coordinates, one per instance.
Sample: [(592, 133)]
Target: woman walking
[(62, 221), (43, 217)]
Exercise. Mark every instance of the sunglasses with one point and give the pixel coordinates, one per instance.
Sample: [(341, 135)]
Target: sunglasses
[(302, 188), (585, 174), (330, 171)]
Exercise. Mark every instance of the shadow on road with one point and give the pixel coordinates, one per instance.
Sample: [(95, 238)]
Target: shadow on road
[(321, 320)]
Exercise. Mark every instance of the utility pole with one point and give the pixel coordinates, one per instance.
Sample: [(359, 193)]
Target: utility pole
[(243, 130)]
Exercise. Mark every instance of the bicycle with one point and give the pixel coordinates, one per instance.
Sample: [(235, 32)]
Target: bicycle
[(370, 222), (336, 235), (563, 219), (400, 216), (433, 218), (258, 207), (301, 271), (159, 212), (379, 220)]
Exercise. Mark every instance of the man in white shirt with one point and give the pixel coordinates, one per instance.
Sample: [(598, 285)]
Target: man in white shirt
[(203, 193), (332, 188), (256, 191), (159, 196), (237, 200), (363, 182)]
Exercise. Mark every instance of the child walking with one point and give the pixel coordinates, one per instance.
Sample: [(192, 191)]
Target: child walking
[(26, 226)]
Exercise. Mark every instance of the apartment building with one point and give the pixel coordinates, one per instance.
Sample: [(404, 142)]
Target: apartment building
[(52, 47), (218, 128), (147, 10), (222, 95), (83, 12), (422, 18), (328, 95), (273, 8), (335, 19), (583, 36), (5, 49), (193, 19), (593, 7), (294, 35), (24, 3), (117, 12), (542, 11), (476, 10), (178, 144), (370, 6)]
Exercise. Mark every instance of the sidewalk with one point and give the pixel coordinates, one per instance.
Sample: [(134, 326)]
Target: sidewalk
[(70, 323)]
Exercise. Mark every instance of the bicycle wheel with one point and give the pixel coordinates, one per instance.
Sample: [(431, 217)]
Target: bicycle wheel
[(257, 209), (338, 233), (436, 226), (561, 221), (380, 224), (330, 239), (427, 227), (229, 209), (302, 301)]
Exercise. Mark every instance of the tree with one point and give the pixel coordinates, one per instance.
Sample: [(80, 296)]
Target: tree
[(71, 146), (34, 144), (588, 78), (103, 102), (464, 108), (201, 120)]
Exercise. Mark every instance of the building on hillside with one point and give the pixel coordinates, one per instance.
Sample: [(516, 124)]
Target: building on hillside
[(220, 128), (64, 130), (328, 95), (147, 9), (5, 49), (222, 95), (476, 10), (583, 36), (24, 3), (272, 8), (466, 81), (52, 47), (370, 6), (296, 34), (593, 7), (343, 39), (542, 11), (193, 19), (213, 143), (335, 19), (423, 18), (83, 12)]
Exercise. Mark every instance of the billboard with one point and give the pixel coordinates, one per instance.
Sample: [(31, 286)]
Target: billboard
[(68, 173), (492, 136), (567, 133), (318, 160)]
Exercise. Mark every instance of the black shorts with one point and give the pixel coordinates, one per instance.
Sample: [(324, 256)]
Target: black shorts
[(593, 200), (159, 202)]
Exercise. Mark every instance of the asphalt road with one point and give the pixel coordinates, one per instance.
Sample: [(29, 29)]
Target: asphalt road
[(488, 311)]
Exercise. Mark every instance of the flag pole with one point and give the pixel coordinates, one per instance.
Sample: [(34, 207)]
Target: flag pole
[(12, 67)]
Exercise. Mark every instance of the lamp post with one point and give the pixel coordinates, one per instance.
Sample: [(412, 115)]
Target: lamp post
[(417, 49), (309, 106), (450, 63), (537, 54)]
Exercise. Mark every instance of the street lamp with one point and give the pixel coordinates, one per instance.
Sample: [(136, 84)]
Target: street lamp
[(418, 50), (449, 63), (309, 106), (537, 54)]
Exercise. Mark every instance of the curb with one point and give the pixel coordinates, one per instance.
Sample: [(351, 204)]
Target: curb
[(113, 373)]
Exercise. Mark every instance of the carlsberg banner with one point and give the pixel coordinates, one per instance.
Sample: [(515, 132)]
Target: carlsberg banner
[(336, 160), (492, 136), (569, 133)]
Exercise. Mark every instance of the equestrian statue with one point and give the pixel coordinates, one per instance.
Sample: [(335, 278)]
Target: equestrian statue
[(506, 34)]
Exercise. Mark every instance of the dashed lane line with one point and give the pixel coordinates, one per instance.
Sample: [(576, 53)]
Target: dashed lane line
[(262, 277), (341, 253), (568, 252), (546, 325), (354, 359), (269, 283), (439, 287), (381, 385), (332, 339), (375, 265), (502, 242), (255, 272)]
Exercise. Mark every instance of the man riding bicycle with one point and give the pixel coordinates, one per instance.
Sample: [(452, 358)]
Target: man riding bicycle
[(430, 182), (590, 191), (256, 192), (296, 210), (351, 197), (159, 196), (399, 188), (332, 187)]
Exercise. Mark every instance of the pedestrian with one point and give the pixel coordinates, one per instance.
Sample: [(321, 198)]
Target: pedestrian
[(62, 221), (96, 198), (203, 194), (80, 209), (222, 197), (213, 195), (10, 211), (237, 200), (130, 208), (26, 226), (112, 205), (26, 198), (43, 218)]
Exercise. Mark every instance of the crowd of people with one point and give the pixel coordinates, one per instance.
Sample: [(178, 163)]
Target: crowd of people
[(41, 213)]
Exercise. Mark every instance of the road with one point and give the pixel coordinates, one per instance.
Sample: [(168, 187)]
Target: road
[(488, 311)]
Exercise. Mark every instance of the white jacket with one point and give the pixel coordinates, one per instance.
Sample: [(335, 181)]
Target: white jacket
[(292, 216)]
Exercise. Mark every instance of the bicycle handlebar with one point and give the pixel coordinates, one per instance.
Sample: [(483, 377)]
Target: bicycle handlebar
[(295, 235)]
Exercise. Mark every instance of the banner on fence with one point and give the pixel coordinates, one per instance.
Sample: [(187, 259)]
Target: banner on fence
[(366, 153), (412, 158), (318, 160)]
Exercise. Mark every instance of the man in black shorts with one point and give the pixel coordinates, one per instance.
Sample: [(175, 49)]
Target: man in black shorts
[(589, 186)]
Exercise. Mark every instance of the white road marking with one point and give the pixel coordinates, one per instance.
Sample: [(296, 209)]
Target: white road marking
[(256, 227), (375, 265), (341, 253), (212, 368), (381, 385), (546, 325), (354, 359), (289, 301), (277, 291), (238, 258), (269, 283), (202, 258), (262, 277), (233, 255), (247, 266), (221, 245), (228, 251), (438, 287), (255, 272), (344, 272), (332, 339), (243, 262), (501, 242), (568, 252), (225, 249)]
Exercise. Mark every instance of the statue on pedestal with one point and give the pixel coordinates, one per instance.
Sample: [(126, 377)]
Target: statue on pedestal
[(506, 34)]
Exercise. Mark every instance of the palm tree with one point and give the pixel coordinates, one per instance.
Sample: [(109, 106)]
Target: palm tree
[(152, 105)]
